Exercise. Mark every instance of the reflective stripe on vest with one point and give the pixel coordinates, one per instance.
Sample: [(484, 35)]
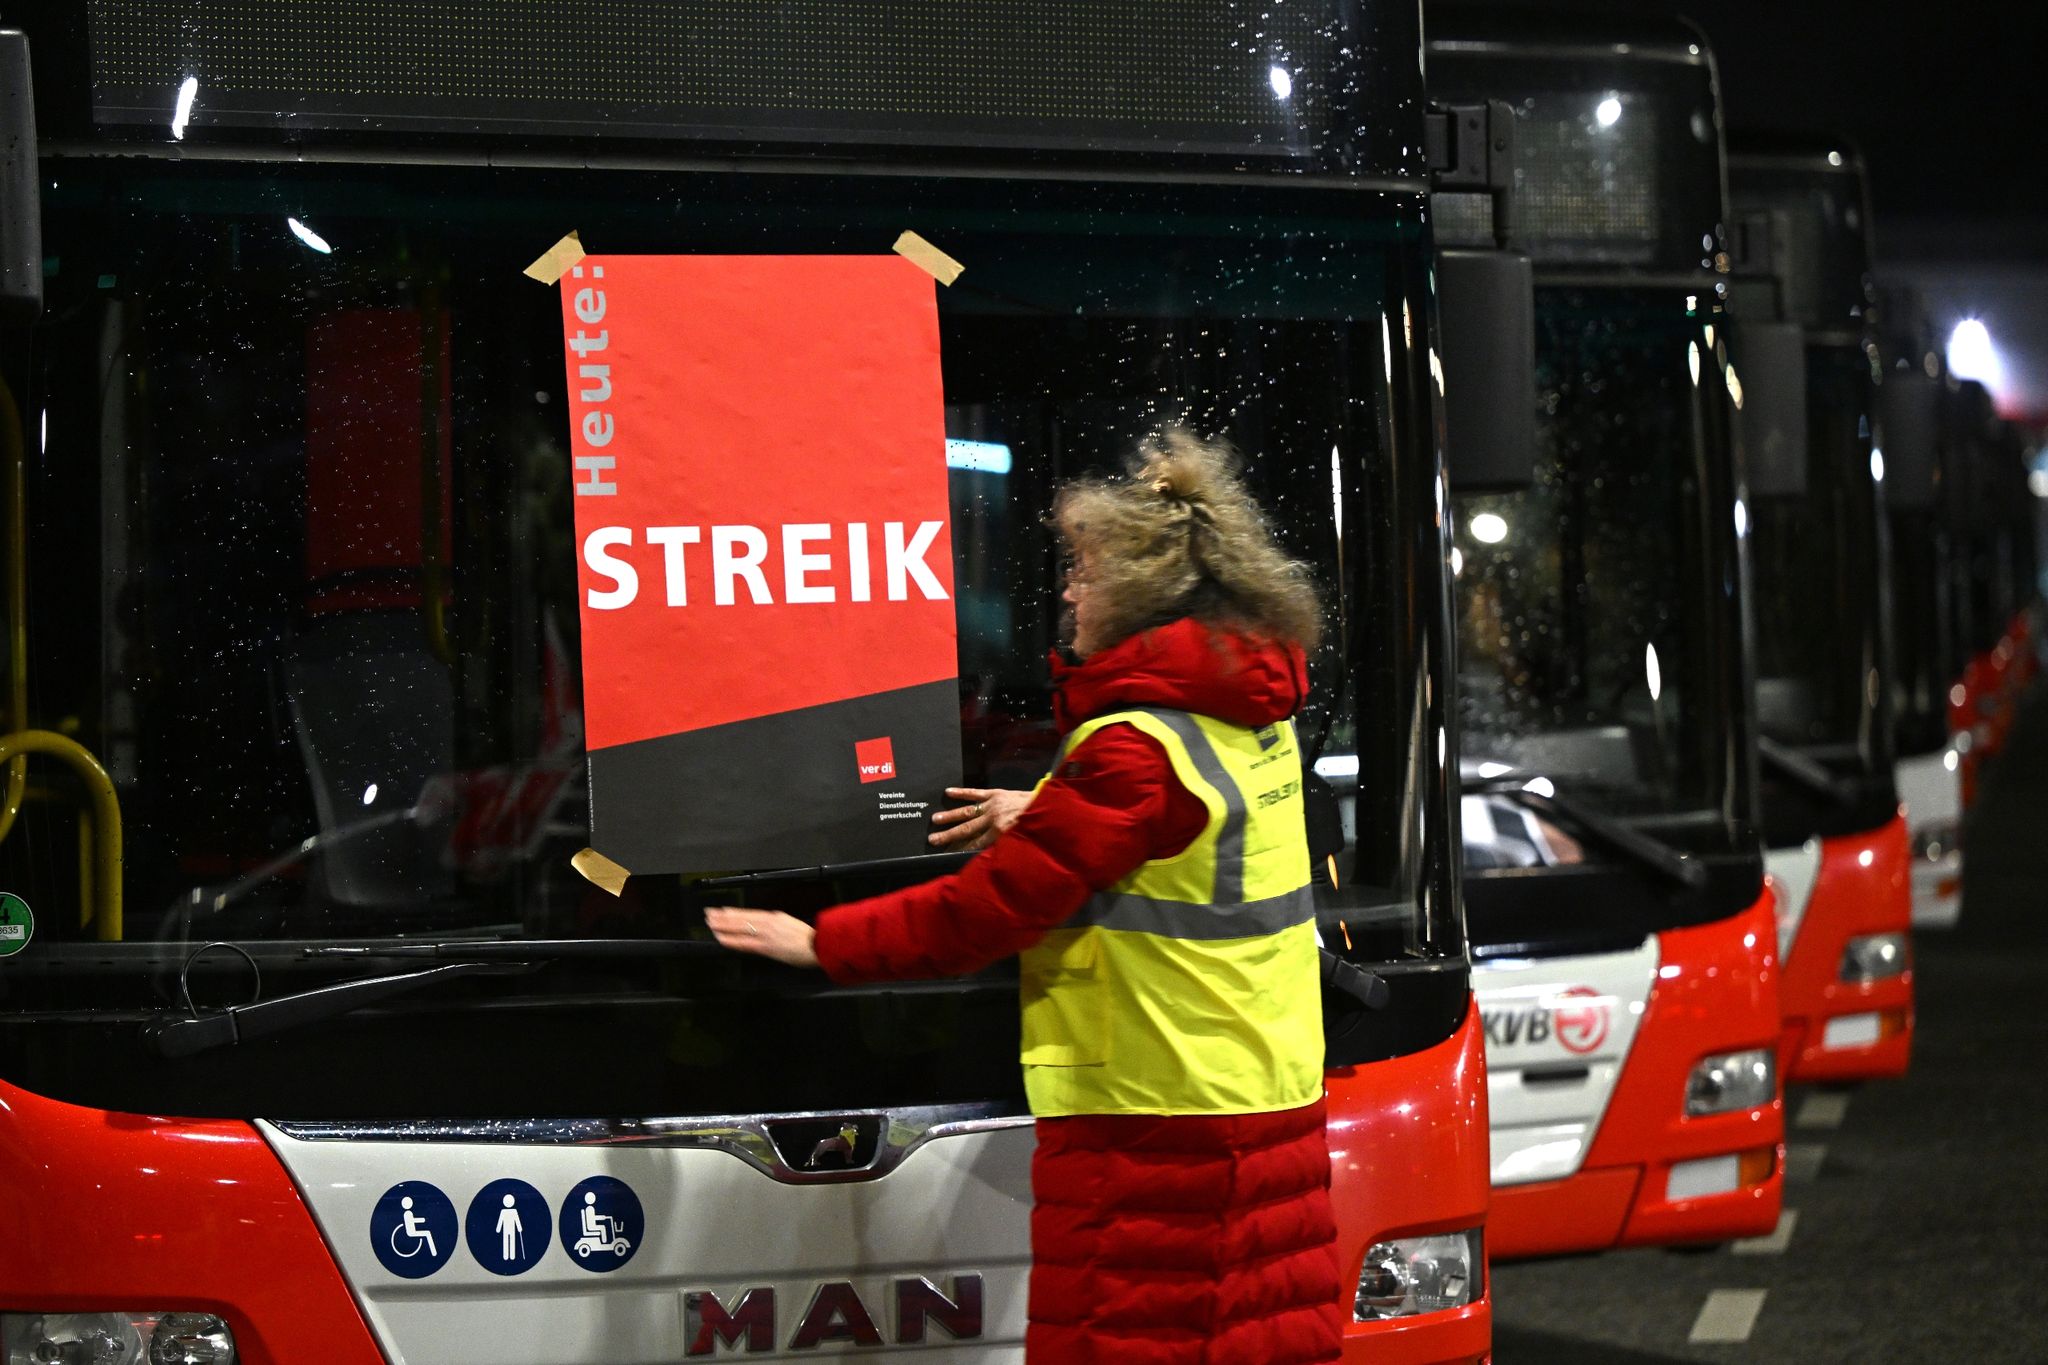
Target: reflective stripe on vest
[(1189, 987)]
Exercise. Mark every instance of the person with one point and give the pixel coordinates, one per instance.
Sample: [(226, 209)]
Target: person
[(1156, 888), (416, 1228), (511, 1232)]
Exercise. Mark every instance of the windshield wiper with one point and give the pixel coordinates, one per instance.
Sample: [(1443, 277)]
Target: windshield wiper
[(461, 957), (1603, 828), (533, 950), (239, 1023), (1803, 772), (1367, 988), (933, 863)]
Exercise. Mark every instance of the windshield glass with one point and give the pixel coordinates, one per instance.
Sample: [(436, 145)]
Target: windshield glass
[(1925, 650), (304, 520), (1591, 616), (1817, 575), (1820, 627)]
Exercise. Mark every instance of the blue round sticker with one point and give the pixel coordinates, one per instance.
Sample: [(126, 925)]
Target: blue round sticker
[(507, 1227), (413, 1230), (601, 1224)]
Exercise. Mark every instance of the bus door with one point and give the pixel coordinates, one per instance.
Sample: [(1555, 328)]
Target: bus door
[(1623, 938)]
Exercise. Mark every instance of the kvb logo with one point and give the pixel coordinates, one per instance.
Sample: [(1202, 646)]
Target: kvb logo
[(875, 758), (1581, 1016)]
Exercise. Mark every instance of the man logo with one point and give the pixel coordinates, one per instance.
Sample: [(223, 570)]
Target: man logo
[(875, 759), (836, 1316)]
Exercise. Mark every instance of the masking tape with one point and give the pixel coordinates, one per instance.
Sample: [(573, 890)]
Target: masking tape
[(556, 260), (600, 871), (928, 258)]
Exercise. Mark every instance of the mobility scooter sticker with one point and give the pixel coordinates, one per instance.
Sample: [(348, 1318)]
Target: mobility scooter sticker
[(601, 1224)]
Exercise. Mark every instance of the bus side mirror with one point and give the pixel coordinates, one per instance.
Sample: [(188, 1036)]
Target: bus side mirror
[(1908, 417), (1770, 357), (1486, 309), (21, 217)]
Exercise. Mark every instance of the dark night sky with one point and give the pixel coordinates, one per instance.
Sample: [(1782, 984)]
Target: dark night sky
[(1942, 98)]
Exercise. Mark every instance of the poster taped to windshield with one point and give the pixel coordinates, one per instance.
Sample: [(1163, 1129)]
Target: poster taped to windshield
[(765, 562)]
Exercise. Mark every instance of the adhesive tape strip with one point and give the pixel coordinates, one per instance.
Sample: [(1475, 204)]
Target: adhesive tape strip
[(926, 257), (556, 260), (600, 871)]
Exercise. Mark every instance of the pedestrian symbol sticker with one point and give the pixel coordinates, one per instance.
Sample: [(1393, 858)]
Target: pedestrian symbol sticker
[(17, 924), (413, 1229), (601, 1223), (507, 1227)]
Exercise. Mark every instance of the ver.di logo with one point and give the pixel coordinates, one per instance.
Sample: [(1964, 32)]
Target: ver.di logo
[(17, 924)]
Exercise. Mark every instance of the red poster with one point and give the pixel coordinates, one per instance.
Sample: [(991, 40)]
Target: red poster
[(766, 564)]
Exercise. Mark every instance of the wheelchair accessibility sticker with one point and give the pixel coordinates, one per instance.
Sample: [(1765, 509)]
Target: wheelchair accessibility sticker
[(413, 1229), (601, 1224)]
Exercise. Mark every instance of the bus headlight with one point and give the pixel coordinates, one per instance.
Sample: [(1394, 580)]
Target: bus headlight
[(1412, 1275), (1731, 1080), (115, 1339), (1875, 957)]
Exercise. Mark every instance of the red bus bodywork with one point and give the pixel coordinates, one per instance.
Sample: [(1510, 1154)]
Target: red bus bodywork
[(1409, 1135), (1863, 887), (120, 1212), (1716, 991)]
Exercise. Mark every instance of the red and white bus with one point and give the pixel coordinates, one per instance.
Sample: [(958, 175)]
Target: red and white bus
[(1835, 830), (1927, 649), (1964, 591), (1626, 958), (1991, 513), (316, 1048)]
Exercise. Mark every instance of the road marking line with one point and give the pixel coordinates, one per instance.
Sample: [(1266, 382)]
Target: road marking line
[(1772, 1243), (1823, 1110), (1803, 1160), (1728, 1315)]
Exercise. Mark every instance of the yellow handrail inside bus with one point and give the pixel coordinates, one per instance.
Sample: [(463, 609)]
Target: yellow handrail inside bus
[(106, 822), (16, 494)]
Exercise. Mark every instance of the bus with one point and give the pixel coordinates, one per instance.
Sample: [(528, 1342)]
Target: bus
[(313, 1046), (1965, 592), (1834, 830), (1926, 607), (1625, 955), (1984, 462)]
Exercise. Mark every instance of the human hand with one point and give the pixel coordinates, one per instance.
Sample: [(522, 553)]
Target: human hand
[(767, 933), (976, 826)]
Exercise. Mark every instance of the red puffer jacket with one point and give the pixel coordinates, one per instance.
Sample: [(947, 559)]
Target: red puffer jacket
[(1188, 1240)]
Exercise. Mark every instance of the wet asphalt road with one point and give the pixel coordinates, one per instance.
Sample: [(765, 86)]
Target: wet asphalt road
[(1918, 1208)]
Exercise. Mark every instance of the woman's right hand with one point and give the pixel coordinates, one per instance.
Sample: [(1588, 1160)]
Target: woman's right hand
[(975, 826)]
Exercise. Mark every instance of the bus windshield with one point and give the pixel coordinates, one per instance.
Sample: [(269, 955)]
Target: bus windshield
[(1820, 627), (306, 580), (1817, 546), (1590, 650), (1603, 678)]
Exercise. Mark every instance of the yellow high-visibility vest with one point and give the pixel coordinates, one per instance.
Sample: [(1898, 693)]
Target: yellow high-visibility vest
[(1192, 986)]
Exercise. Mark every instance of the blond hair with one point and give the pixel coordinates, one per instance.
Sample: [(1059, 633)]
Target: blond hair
[(1181, 535)]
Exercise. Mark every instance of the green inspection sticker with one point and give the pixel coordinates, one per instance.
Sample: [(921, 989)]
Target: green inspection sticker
[(17, 923)]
